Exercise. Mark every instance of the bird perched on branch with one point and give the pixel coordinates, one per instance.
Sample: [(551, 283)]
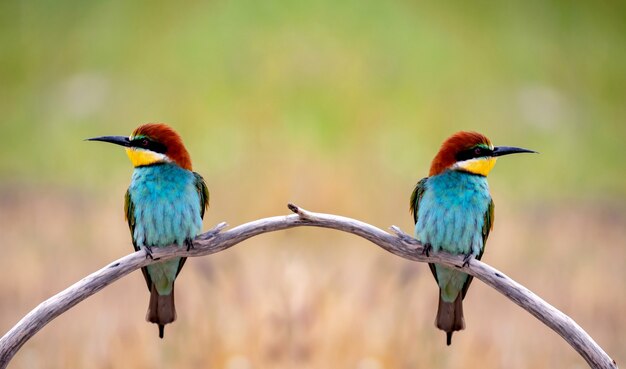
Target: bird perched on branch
[(453, 212), (164, 205)]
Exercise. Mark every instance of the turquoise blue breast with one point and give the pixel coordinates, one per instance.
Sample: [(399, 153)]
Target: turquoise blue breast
[(167, 205), (452, 211)]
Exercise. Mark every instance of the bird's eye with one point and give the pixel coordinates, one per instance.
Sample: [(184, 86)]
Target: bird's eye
[(478, 151), (144, 142)]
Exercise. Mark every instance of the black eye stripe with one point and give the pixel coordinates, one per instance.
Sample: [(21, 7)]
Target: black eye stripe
[(474, 152), (148, 144)]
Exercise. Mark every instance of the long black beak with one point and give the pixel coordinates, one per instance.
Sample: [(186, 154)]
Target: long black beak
[(506, 150), (118, 140)]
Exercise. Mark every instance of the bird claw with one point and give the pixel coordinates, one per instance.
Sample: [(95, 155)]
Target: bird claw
[(148, 250), (189, 243), (427, 249), (467, 259)]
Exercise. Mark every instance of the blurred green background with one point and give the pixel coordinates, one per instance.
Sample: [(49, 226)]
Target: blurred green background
[(338, 107)]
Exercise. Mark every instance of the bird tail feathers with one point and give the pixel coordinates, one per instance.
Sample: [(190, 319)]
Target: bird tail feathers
[(450, 317), (161, 309)]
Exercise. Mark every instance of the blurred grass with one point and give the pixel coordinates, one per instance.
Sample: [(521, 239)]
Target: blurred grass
[(389, 78), (338, 107)]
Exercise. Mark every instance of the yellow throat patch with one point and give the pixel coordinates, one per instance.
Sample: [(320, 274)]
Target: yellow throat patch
[(480, 166), (143, 157)]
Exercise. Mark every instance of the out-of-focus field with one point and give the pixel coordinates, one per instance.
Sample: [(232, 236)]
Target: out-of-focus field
[(337, 107)]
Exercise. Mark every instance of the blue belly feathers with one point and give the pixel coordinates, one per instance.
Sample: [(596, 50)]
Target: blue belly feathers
[(451, 216), (167, 211)]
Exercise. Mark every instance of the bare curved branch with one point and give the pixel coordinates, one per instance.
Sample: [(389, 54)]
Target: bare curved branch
[(214, 241)]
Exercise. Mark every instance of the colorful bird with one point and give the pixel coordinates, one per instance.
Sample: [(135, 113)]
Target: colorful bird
[(453, 212), (164, 205)]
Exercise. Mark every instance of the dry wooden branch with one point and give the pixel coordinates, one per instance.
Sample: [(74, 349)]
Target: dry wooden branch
[(214, 241)]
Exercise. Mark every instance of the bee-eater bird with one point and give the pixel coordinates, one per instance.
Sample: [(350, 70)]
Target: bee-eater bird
[(164, 205), (453, 212)]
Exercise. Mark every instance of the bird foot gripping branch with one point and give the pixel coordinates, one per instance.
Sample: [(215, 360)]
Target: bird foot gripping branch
[(148, 250), (466, 260)]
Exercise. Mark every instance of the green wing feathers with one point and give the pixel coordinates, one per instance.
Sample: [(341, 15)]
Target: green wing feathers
[(414, 205), (129, 214), (416, 196), (203, 192), (487, 226)]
